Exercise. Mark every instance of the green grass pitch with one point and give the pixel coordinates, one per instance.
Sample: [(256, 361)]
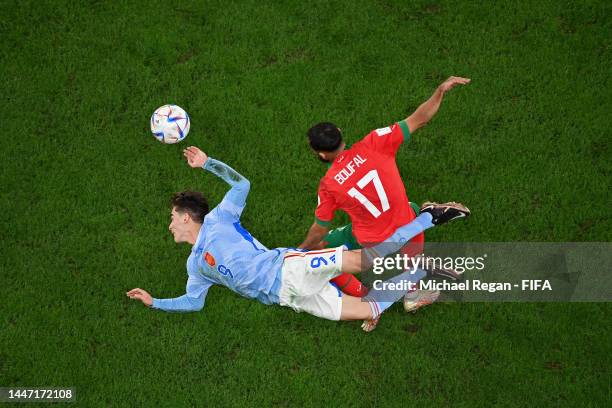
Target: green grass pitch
[(85, 188)]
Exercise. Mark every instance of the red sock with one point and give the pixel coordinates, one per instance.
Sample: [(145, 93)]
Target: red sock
[(350, 285)]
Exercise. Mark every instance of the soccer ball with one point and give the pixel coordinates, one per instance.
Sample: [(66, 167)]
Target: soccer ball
[(170, 124)]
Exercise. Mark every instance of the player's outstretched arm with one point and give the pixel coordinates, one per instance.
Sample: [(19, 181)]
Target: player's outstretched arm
[(183, 303), (196, 158), (428, 109)]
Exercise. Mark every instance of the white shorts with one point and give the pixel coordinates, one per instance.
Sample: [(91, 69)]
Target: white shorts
[(305, 283)]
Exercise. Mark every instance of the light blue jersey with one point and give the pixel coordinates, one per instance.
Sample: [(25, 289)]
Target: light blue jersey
[(226, 254)]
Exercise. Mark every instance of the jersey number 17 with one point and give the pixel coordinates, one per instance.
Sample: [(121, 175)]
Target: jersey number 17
[(371, 176)]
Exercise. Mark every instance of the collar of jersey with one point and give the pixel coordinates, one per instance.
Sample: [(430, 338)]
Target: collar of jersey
[(332, 163), (200, 238)]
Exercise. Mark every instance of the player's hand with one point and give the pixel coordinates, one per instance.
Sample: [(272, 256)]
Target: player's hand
[(451, 82), (195, 157), (141, 295), (320, 245)]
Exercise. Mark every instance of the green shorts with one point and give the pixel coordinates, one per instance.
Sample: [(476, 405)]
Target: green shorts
[(344, 235)]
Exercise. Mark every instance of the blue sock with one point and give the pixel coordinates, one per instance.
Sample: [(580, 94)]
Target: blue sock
[(425, 220), (381, 300), (400, 237)]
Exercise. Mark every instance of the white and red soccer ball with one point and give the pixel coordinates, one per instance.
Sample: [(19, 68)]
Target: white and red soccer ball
[(170, 124)]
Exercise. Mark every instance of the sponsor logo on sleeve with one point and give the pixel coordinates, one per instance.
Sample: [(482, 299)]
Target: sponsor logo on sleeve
[(383, 131)]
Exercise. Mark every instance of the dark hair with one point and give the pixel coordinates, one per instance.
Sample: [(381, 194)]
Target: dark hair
[(324, 137), (191, 202)]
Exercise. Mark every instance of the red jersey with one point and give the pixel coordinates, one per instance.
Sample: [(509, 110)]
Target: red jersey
[(364, 182)]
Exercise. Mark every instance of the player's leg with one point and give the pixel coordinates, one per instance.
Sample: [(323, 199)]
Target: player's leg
[(331, 304), (326, 304), (341, 236), (350, 284), (385, 294), (344, 235), (417, 243), (356, 261), (307, 273), (354, 308), (431, 214), (305, 287), (371, 307), (346, 282)]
